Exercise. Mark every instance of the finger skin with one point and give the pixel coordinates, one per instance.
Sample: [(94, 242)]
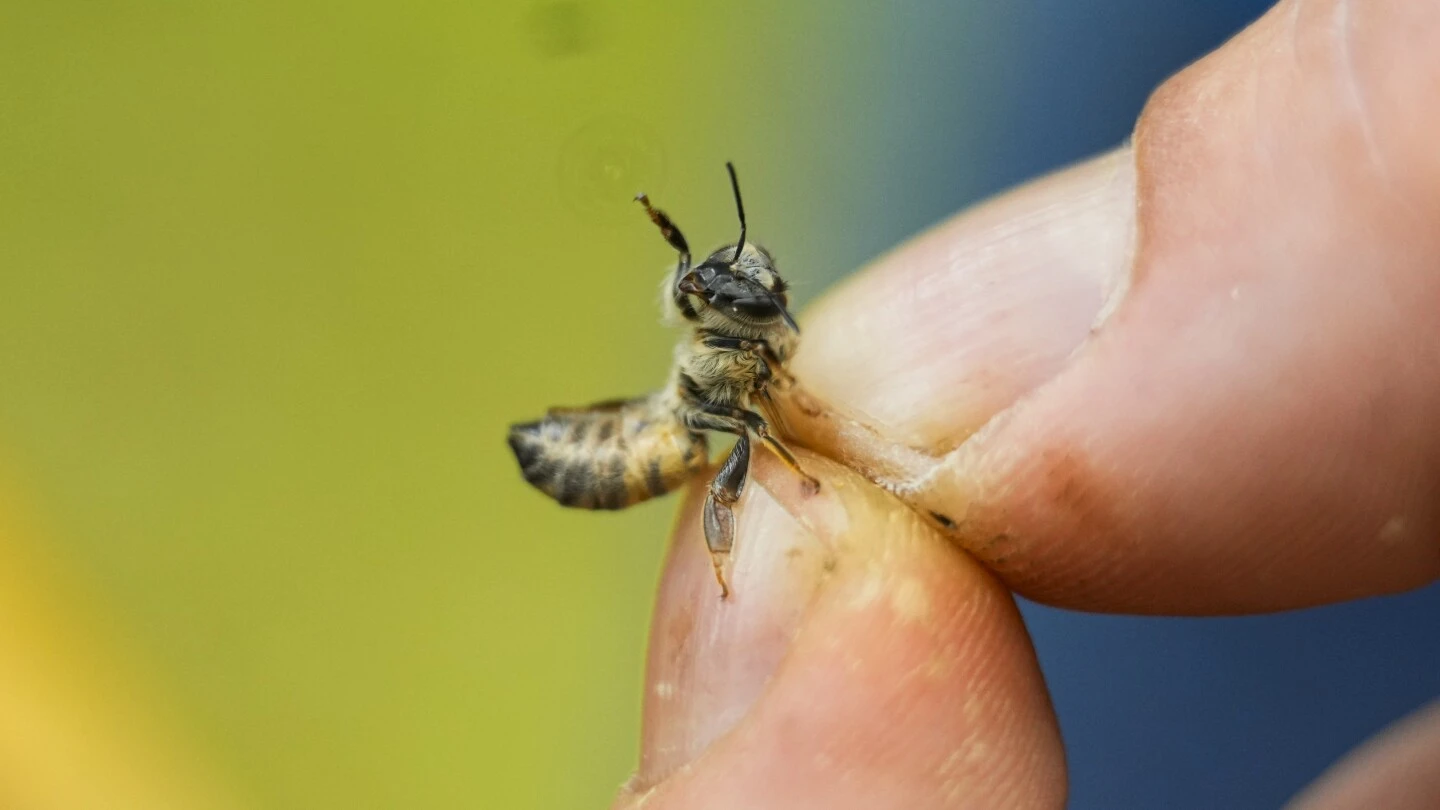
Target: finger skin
[(861, 662), (1246, 419), (1397, 770)]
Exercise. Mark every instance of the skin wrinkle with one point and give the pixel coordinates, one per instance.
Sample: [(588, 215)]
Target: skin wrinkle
[(1258, 101), (1341, 29), (1296, 6), (1119, 277)]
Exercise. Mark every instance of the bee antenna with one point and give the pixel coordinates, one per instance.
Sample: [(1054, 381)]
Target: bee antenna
[(739, 208)]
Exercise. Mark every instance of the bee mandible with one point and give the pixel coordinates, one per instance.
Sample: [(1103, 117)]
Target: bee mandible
[(613, 454)]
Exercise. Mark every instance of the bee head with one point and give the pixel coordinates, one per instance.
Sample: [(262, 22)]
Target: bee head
[(738, 282), (742, 288)]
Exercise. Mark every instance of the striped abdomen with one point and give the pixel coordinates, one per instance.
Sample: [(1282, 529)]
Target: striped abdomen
[(610, 455)]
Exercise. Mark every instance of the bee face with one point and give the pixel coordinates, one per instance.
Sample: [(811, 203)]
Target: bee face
[(748, 291)]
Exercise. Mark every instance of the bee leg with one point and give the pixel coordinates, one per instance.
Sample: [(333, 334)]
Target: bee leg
[(719, 519), (809, 483), (668, 229), (684, 284), (738, 421)]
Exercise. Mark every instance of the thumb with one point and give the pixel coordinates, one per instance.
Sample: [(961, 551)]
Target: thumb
[(861, 661), (1195, 376)]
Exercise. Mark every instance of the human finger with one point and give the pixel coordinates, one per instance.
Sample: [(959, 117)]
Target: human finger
[(1195, 376), (1399, 770), (861, 661)]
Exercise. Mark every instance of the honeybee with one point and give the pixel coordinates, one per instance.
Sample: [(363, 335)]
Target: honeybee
[(613, 454)]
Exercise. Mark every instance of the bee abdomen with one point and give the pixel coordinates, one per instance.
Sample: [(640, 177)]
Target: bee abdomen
[(609, 456)]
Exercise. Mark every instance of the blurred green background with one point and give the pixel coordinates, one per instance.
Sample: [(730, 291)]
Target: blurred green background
[(275, 277)]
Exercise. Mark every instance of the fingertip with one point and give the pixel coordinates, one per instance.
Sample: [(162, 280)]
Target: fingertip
[(861, 661)]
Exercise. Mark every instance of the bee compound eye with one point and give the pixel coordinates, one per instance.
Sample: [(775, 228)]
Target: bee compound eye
[(756, 307)]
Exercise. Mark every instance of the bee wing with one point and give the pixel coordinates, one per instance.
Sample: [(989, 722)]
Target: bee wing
[(606, 405)]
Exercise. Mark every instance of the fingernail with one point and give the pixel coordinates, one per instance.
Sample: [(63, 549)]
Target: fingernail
[(710, 659), (936, 338)]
